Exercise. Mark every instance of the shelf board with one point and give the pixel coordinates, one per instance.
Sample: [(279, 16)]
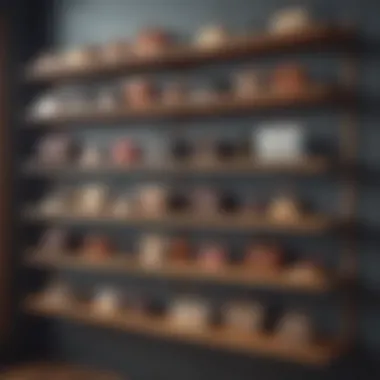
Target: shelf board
[(305, 166), (313, 37), (309, 224), (318, 353), (231, 275), (224, 106)]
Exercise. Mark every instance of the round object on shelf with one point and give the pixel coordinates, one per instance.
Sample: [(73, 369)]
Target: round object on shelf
[(173, 94), (288, 79), (305, 272), (125, 152), (115, 52), (138, 92), (153, 250), (204, 95), (244, 316), (179, 250), (152, 42), (212, 256), (284, 209), (46, 63), (153, 200), (106, 301), (123, 206), (91, 199), (295, 328), (211, 37), (206, 201), (57, 294), (106, 99), (46, 106), (55, 203), (78, 58), (264, 257), (74, 100), (91, 156), (54, 240), (97, 247), (189, 313), (247, 84), (290, 20), (54, 150)]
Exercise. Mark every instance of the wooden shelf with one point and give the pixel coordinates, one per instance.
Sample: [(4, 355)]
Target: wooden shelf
[(310, 224), (122, 263), (184, 56), (306, 166), (49, 371), (320, 353), (224, 106)]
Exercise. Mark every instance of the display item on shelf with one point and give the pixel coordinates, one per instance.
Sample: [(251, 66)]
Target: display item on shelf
[(106, 301), (56, 203), (305, 272), (125, 152), (290, 20), (138, 92), (264, 257), (285, 209), (153, 200), (54, 241), (46, 105), (46, 63), (153, 250), (189, 313), (212, 256), (174, 94), (205, 201), (244, 316), (91, 199), (79, 58), (123, 206), (96, 247), (179, 250), (248, 84), (279, 142), (204, 95), (152, 42), (289, 79), (58, 294), (295, 328), (91, 156), (212, 36), (106, 99), (54, 149), (115, 52)]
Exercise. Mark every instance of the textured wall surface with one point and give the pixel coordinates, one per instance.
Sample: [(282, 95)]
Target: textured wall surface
[(79, 22)]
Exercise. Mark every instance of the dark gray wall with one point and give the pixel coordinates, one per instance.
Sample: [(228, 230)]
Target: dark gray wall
[(96, 21)]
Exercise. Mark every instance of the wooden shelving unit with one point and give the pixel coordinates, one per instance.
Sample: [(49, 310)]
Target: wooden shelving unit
[(306, 166), (308, 224), (183, 56), (314, 38), (318, 353), (230, 275), (224, 106)]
